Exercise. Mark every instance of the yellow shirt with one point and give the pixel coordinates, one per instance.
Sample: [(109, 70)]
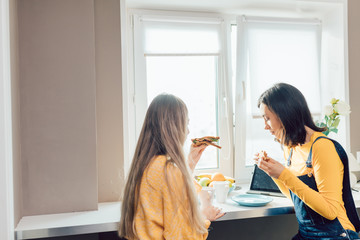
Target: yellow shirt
[(328, 171), (158, 215)]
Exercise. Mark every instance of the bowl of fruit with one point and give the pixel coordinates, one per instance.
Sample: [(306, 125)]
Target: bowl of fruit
[(208, 179)]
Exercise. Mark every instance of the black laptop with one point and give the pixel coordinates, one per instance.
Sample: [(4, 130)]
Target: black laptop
[(261, 183)]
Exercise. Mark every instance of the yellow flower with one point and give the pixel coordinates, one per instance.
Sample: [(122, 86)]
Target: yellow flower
[(334, 100)]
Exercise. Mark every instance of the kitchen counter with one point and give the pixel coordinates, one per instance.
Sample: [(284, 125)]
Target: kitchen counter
[(107, 217)]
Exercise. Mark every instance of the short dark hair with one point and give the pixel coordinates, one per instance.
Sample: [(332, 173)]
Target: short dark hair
[(290, 106)]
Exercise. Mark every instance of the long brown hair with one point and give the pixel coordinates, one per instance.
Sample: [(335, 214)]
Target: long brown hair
[(163, 133)]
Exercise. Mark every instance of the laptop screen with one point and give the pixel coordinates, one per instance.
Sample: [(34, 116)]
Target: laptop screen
[(262, 182)]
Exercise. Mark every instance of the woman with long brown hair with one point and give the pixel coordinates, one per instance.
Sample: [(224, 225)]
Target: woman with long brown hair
[(159, 200)]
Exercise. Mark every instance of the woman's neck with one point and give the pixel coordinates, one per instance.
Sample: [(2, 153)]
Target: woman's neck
[(309, 133)]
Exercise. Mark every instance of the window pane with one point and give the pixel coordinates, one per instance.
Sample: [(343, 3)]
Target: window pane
[(278, 52), (193, 79), (284, 53), (164, 37), (258, 139)]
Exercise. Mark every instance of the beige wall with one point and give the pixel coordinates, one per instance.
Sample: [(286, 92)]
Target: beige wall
[(108, 100), (354, 73), (57, 106), (14, 58), (67, 103)]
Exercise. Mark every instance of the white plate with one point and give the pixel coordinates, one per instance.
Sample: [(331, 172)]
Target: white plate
[(252, 200)]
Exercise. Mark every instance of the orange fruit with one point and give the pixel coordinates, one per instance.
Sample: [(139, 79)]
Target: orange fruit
[(217, 177)]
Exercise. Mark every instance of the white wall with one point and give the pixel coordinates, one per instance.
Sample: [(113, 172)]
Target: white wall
[(333, 72)]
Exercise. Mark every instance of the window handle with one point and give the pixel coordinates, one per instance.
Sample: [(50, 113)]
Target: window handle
[(226, 107), (227, 127), (242, 90)]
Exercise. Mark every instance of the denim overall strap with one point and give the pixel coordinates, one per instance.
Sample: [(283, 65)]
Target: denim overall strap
[(289, 158), (347, 195), (309, 159)]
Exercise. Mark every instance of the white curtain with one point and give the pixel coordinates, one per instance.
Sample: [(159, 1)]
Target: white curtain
[(272, 50)]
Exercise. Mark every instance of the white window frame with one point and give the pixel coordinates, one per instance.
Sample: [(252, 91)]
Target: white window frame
[(224, 100), (239, 171)]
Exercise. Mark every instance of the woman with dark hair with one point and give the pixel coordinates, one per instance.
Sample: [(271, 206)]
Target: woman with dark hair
[(316, 176), (159, 200)]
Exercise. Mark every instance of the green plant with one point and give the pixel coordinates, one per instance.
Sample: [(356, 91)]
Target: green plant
[(332, 115)]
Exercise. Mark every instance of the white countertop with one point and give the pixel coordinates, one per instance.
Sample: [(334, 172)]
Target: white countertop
[(107, 217)]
